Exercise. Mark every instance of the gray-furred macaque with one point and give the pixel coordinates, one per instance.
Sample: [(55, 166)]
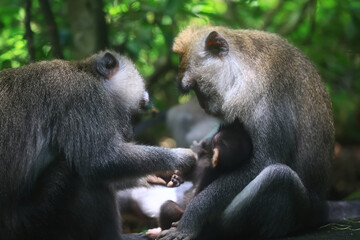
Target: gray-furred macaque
[(229, 149), (65, 136), (276, 92)]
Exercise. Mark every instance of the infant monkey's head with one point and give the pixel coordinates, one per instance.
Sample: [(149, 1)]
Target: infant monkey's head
[(231, 146)]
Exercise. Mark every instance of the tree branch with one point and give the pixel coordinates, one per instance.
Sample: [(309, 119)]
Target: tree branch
[(270, 14), (290, 28), (160, 71), (102, 30), (312, 23)]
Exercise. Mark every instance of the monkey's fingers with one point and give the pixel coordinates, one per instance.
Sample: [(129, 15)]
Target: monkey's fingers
[(170, 184), (169, 234), (173, 234), (152, 179), (165, 234), (176, 180), (175, 224)]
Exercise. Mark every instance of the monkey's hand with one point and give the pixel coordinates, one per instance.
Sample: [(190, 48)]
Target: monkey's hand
[(173, 234), (187, 159), (197, 146), (200, 148)]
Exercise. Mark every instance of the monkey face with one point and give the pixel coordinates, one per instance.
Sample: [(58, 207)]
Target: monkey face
[(232, 146), (122, 80), (207, 67)]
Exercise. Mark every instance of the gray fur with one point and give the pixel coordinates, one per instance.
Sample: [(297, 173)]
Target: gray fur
[(276, 92), (65, 135)]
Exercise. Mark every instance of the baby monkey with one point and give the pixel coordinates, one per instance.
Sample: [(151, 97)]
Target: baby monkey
[(230, 148)]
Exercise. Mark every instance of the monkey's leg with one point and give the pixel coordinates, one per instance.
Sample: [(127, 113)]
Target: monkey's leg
[(207, 206), (275, 203), (169, 212)]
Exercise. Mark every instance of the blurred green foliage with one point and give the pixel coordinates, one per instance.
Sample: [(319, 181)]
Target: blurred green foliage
[(326, 30)]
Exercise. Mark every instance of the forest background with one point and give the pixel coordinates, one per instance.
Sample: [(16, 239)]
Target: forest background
[(328, 31)]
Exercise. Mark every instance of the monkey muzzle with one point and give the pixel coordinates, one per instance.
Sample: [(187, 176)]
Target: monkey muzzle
[(145, 101), (147, 107)]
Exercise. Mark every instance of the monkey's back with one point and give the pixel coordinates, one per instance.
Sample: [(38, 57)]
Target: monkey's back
[(291, 120), (36, 102)]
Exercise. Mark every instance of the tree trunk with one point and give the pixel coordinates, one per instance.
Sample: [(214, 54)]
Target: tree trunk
[(28, 32), (52, 30), (88, 26)]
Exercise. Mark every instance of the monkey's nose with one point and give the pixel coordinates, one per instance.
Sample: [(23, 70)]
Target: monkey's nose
[(144, 102)]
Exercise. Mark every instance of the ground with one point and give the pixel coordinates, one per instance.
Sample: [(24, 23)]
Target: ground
[(346, 230)]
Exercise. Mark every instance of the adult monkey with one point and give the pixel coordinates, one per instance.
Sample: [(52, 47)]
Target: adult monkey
[(276, 92), (65, 135)]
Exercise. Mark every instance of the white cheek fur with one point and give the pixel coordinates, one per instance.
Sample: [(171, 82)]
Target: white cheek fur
[(146, 97), (127, 84)]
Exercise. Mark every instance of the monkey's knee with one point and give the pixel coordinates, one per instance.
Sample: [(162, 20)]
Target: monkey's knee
[(169, 212), (274, 203), (280, 178), (276, 180)]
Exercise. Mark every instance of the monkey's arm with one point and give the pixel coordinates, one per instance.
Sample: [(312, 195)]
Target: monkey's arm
[(129, 159), (101, 152)]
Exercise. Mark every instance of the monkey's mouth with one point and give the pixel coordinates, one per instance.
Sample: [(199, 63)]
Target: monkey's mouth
[(183, 89), (205, 101), (143, 104)]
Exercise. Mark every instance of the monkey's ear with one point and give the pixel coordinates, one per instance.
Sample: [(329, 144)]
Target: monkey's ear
[(215, 157), (107, 65), (216, 44)]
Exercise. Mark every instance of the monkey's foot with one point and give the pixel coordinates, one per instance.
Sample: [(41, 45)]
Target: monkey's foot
[(173, 234), (153, 233)]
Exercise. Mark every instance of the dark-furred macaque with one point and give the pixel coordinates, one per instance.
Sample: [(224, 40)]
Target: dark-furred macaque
[(65, 136), (229, 149), (276, 92)]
